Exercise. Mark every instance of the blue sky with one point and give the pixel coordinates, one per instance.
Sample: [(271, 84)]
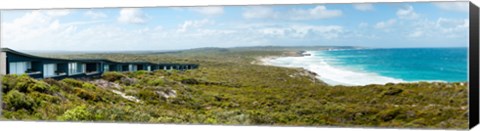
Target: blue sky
[(384, 25)]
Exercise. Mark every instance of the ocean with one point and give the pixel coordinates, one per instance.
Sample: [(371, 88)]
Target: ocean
[(380, 66)]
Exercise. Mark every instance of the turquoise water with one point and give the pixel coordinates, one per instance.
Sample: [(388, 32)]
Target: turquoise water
[(406, 64)]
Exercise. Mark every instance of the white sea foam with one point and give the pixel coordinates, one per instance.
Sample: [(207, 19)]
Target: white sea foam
[(330, 74)]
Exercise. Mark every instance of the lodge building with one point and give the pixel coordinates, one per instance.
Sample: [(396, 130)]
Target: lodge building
[(14, 62)]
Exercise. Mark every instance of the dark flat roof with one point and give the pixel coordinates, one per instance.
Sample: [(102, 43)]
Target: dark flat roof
[(28, 55), (85, 60)]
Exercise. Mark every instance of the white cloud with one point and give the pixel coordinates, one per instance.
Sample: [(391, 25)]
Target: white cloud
[(33, 28), (363, 7), (194, 24), (132, 15), (451, 23), (319, 12), (303, 31), (416, 34), (36, 27), (33, 18), (385, 24), (407, 13), (259, 12), (453, 6), (439, 29), (95, 15), (29, 25), (452, 27), (210, 11), (39, 30)]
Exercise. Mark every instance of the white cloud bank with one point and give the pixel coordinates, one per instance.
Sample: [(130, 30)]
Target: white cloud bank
[(407, 13), (385, 24), (363, 7), (264, 12), (189, 24), (40, 30), (132, 16), (259, 12), (453, 6), (210, 10), (409, 25)]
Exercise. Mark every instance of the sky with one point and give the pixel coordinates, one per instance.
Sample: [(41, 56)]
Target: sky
[(377, 25)]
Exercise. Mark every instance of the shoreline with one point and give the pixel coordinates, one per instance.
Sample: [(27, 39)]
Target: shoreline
[(261, 60), (266, 60)]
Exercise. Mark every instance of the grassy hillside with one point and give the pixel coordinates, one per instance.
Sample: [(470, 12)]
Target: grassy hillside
[(229, 89)]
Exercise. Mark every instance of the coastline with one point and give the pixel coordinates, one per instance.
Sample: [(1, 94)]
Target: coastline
[(262, 60), (348, 79)]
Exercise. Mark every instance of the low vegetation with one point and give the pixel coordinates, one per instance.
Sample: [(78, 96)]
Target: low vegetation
[(229, 89)]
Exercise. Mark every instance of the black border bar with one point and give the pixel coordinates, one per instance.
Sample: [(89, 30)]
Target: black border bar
[(473, 100)]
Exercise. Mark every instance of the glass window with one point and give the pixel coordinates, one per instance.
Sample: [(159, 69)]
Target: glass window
[(80, 68), (132, 67), (76, 68), (19, 67), (106, 68), (72, 67), (49, 70)]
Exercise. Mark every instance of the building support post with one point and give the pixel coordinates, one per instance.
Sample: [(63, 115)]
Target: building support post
[(3, 66), (3, 55)]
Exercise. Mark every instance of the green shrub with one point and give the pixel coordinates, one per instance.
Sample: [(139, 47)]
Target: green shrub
[(58, 86), (128, 81), (261, 118), (54, 85), (21, 114), (39, 87), (73, 82), (140, 73), (77, 83), (8, 83), (147, 95), (84, 94), (166, 119), (15, 100), (211, 121), (24, 83), (156, 82), (88, 86), (79, 113), (112, 76), (392, 91), (417, 123), (43, 99), (190, 81), (389, 114)]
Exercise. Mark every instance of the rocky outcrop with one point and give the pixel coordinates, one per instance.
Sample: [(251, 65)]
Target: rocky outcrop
[(169, 93), (106, 84), (114, 87)]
